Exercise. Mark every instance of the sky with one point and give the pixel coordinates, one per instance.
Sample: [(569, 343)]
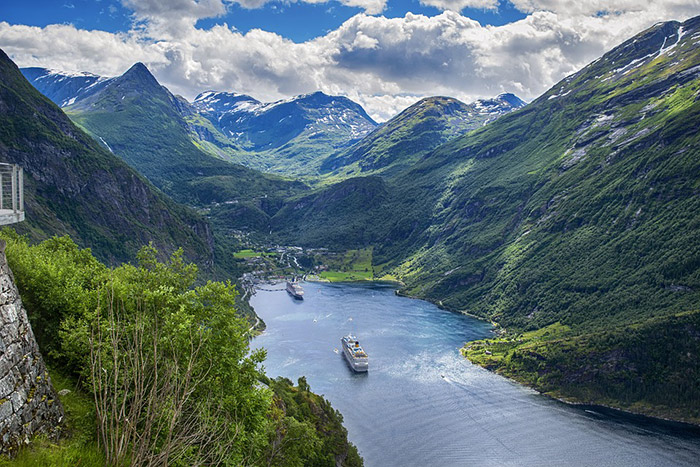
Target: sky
[(384, 54)]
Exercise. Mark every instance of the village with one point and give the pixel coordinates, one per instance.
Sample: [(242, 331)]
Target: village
[(269, 265)]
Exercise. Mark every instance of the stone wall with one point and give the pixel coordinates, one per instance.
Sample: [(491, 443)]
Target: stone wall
[(28, 402)]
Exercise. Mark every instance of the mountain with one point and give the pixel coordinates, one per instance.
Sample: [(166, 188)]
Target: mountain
[(63, 88), (414, 132), (572, 222), (345, 215), (288, 137), (74, 186), (142, 122)]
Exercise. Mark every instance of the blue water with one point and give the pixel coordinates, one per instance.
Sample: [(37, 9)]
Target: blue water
[(422, 404)]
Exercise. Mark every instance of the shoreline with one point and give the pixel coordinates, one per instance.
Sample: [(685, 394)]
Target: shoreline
[(439, 304), (570, 402), (684, 424), (612, 410)]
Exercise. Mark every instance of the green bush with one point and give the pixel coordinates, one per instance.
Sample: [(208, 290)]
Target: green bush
[(167, 363)]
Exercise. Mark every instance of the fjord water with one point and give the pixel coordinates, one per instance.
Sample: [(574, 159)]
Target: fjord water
[(422, 404)]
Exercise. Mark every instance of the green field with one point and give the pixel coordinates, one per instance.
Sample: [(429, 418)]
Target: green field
[(250, 254), (648, 367), (355, 265)]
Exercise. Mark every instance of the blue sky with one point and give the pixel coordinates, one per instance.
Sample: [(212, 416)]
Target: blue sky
[(297, 21), (384, 54)]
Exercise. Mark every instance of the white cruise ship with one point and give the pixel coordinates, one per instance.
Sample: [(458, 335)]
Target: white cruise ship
[(354, 354)]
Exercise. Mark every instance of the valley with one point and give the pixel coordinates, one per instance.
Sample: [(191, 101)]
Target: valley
[(569, 222), (525, 215)]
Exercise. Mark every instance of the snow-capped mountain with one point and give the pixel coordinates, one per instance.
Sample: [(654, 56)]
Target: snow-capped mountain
[(62, 88), (420, 128), (289, 136), (262, 126), (503, 103)]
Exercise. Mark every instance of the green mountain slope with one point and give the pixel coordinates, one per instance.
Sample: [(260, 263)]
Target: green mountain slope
[(349, 214), (158, 134), (422, 127), (74, 186), (591, 186), (142, 122), (578, 211), (290, 137)]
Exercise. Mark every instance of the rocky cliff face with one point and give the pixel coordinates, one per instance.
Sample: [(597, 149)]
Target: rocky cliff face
[(28, 402)]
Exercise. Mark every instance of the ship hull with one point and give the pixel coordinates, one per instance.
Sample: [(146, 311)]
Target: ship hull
[(358, 365), (295, 295), (292, 290)]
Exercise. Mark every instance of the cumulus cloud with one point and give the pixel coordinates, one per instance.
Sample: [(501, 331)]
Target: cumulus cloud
[(384, 64), (459, 5), (173, 9), (601, 7), (371, 7), (173, 16), (64, 47)]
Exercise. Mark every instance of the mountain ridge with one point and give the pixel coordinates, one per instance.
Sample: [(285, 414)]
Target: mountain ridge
[(146, 125), (299, 136), (563, 221), (289, 136), (418, 129), (74, 186)]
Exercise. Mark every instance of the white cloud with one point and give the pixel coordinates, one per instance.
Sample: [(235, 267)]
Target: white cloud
[(67, 48), (174, 9), (371, 7), (383, 63), (171, 17), (459, 5), (383, 107), (597, 7)]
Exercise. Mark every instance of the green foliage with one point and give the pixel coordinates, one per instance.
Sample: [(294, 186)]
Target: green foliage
[(248, 253), (302, 416), (349, 215), (354, 265), (78, 446), (195, 363), (651, 368), (167, 362), (57, 281)]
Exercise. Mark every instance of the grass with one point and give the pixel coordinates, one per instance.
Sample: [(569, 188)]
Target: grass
[(490, 352), (78, 447), (333, 276), (250, 254), (647, 367), (355, 265)]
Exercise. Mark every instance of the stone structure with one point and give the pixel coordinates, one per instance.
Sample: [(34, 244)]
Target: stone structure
[(28, 403)]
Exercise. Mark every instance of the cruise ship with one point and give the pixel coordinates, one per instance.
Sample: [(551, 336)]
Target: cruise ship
[(354, 354), (295, 290)]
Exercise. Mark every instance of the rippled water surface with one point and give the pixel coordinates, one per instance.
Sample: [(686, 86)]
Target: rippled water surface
[(423, 404)]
